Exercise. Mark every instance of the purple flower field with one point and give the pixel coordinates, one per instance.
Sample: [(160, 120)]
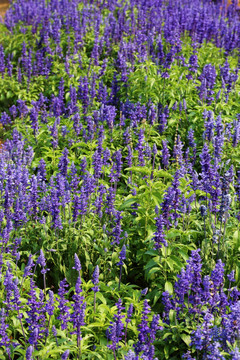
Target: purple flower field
[(120, 180)]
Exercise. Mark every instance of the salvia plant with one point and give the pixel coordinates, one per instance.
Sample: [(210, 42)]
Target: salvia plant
[(120, 180)]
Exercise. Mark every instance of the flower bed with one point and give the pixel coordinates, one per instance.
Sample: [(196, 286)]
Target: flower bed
[(119, 180)]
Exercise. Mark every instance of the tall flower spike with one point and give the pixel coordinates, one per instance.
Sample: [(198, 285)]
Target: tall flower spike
[(159, 236), (115, 330), (128, 319), (64, 309), (41, 259), (4, 339), (122, 255), (77, 265), (78, 315), (95, 279), (65, 355), (29, 353)]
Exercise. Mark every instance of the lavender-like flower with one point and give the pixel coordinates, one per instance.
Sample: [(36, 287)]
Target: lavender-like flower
[(78, 315), (159, 236), (54, 331), (63, 162), (143, 330), (77, 265), (207, 78), (115, 330), (95, 281), (64, 309), (128, 319), (29, 353), (4, 339), (165, 155), (65, 355)]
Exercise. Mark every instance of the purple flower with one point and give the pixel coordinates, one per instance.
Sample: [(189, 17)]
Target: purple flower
[(34, 336), (42, 170), (129, 313), (207, 78), (63, 308), (144, 291), (5, 119), (188, 356), (97, 164), (115, 330), (2, 61), (122, 255), (117, 166), (54, 330), (231, 277), (95, 279), (140, 147), (143, 329), (159, 236), (165, 154), (50, 303), (203, 210), (130, 355), (33, 114), (77, 263), (117, 230), (217, 275), (65, 355), (42, 262), (193, 63), (63, 162), (78, 315), (4, 339), (29, 353), (235, 354)]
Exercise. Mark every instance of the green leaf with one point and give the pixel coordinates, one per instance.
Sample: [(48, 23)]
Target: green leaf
[(169, 287), (100, 296), (172, 316), (127, 204), (186, 338)]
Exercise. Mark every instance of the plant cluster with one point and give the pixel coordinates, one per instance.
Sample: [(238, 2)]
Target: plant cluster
[(119, 180)]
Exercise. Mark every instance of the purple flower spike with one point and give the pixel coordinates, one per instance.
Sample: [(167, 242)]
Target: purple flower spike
[(54, 330), (203, 210), (231, 277), (159, 235), (29, 353), (144, 291), (41, 260), (235, 354), (34, 336), (122, 255), (4, 339), (95, 279), (77, 266), (65, 355), (129, 313)]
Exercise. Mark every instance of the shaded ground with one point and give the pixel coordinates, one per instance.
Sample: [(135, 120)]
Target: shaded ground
[(3, 7)]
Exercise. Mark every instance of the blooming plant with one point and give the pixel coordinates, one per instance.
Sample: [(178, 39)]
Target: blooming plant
[(119, 180)]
